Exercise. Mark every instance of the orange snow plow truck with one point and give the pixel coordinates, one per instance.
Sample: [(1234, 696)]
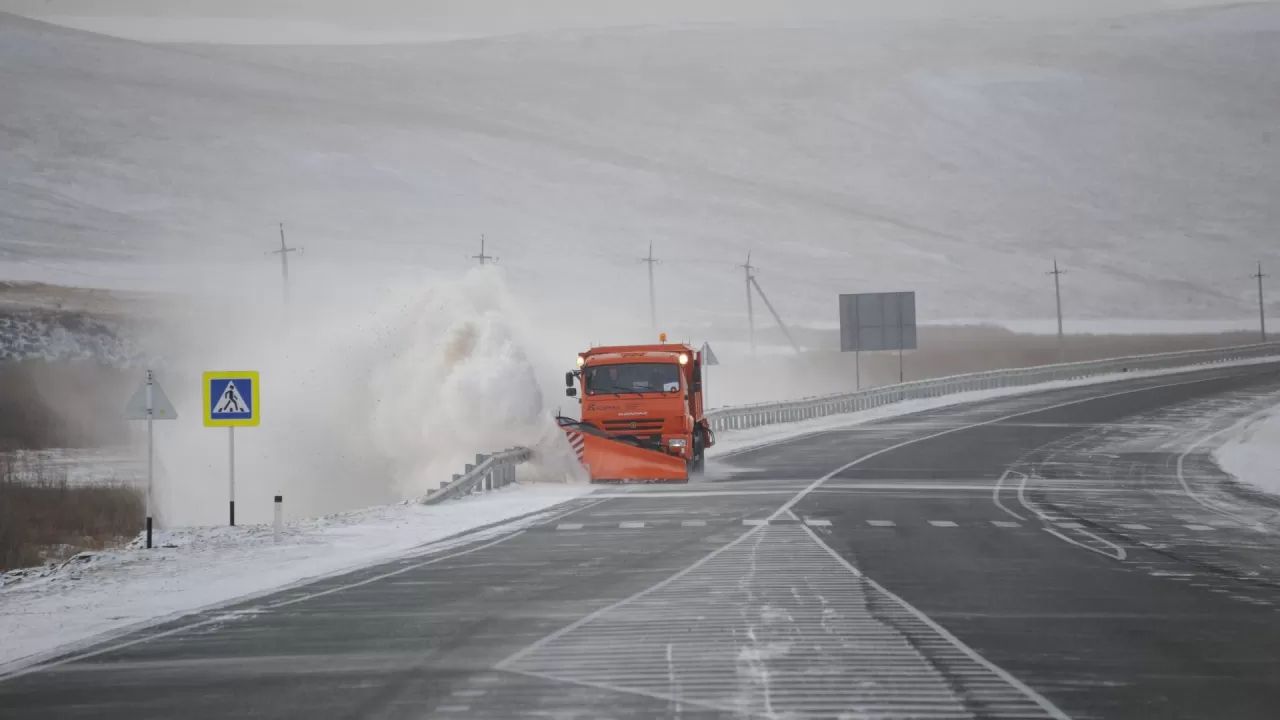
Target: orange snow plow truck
[(642, 415)]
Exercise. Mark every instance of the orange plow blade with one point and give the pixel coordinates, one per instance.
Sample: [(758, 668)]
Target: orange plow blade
[(609, 460)]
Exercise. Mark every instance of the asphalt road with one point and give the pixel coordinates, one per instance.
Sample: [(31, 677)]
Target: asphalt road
[(1070, 553)]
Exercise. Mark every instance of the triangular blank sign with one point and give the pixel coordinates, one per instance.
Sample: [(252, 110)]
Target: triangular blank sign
[(161, 408), (708, 357)]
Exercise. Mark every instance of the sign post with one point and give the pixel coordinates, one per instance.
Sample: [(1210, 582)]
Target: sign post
[(231, 399), (150, 403)]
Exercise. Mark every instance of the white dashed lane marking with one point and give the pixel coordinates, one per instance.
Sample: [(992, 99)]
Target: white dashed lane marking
[(672, 524)]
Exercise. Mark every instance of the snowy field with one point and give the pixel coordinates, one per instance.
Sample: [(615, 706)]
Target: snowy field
[(1251, 451), (953, 158), (106, 592)]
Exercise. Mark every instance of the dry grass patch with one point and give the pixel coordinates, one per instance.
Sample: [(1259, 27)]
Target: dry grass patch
[(45, 519)]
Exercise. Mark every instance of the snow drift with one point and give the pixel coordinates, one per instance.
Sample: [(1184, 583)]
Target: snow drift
[(1251, 452)]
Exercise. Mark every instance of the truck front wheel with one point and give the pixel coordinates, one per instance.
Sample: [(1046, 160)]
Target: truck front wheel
[(698, 464)]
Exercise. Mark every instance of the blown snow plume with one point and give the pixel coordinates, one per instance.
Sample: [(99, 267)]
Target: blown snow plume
[(458, 383), (365, 401)]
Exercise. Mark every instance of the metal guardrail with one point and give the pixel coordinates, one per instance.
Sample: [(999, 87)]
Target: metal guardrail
[(489, 472), (750, 416)]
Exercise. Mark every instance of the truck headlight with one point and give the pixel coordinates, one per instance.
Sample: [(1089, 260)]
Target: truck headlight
[(676, 442)]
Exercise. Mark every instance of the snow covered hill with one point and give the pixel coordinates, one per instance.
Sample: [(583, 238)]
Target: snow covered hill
[(950, 158)]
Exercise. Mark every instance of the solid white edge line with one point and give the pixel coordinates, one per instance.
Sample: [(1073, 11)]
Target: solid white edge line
[(1120, 552), (1119, 556), (995, 494), (1022, 499), (1053, 710)]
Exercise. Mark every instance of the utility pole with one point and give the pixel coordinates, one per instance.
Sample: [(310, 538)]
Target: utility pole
[(751, 317), (482, 257), (1057, 293), (653, 303), (283, 252), (1262, 312)]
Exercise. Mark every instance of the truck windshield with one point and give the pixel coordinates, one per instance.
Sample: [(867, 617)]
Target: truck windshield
[(633, 378)]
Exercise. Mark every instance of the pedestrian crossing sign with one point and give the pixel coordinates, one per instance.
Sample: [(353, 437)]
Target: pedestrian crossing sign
[(231, 399)]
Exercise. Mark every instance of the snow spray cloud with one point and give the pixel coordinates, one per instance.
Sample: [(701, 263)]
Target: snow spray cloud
[(458, 383), (362, 403)]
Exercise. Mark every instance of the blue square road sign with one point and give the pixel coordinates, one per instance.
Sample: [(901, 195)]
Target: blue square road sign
[(231, 399)]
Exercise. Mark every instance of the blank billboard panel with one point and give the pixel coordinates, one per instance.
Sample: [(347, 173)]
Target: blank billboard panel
[(871, 322)]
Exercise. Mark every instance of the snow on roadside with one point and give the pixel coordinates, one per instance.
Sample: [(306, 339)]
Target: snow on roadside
[(733, 441), (99, 593), (1252, 451)]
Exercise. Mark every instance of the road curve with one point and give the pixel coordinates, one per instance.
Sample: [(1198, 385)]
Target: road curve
[(1063, 554)]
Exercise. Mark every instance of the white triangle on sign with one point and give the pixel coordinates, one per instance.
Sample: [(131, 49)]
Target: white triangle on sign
[(161, 408), (231, 401), (708, 357)]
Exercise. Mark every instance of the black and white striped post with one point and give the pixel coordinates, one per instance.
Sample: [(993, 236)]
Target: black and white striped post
[(279, 517)]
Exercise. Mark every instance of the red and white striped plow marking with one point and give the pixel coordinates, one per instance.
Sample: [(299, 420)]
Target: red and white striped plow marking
[(578, 444)]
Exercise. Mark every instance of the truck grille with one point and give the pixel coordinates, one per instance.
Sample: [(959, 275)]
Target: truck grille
[(633, 426)]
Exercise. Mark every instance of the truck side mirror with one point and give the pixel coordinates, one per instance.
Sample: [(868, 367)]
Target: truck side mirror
[(571, 392), (568, 379), (697, 386), (697, 373)]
